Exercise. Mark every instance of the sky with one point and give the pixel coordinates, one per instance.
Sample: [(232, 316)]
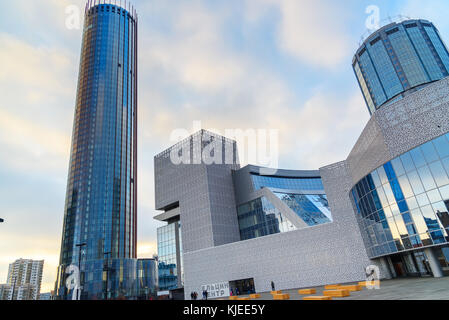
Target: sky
[(232, 64)]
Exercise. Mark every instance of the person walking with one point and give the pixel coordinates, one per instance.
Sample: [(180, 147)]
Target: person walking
[(272, 286), (192, 296), (206, 294)]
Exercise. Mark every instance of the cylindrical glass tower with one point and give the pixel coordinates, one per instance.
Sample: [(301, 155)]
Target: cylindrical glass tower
[(100, 218), (398, 59)]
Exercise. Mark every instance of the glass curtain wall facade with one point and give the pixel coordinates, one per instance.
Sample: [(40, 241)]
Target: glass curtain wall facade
[(260, 217), (287, 183), (101, 197), (312, 209), (169, 248), (404, 204), (399, 58), (146, 279)]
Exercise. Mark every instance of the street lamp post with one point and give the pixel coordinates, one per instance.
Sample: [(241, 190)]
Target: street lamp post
[(106, 268), (80, 246)]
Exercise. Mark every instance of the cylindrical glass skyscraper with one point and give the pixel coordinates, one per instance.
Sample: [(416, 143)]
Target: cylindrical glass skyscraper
[(100, 218), (398, 59)]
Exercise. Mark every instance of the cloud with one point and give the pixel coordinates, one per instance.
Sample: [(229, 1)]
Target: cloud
[(243, 92), (189, 70), (311, 31), (436, 12), (146, 249)]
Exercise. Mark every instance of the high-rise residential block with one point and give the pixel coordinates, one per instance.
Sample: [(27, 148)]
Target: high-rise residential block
[(24, 280)]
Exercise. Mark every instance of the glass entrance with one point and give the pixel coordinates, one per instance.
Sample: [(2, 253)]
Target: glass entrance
[(240, 287)]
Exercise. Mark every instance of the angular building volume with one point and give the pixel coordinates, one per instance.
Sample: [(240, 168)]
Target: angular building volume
[(383, 209)]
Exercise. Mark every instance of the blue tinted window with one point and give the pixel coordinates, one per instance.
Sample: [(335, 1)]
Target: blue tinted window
[(425, 53), (439, 47), (389, 171), (407, 162), (385, 69), (416, 201), (439, 174), (418, 157), (429, 152), (259, 218), (442, 146), (372, 79), (312, 209), (398, 167), (287, 183)]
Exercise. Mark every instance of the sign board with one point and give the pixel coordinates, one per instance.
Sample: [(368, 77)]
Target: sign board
[(216, 290), (163, 293)]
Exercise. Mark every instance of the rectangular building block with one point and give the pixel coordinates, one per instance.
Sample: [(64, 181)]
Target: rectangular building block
[(281, 296), (372, 283), (332, 286), (317, 298), (307, 291), (352, 287), (336, 293)]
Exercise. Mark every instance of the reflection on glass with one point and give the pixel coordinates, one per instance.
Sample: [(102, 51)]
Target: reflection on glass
[(442, 146), (429, 152), (415, 182), (407, 162), (312, 209), (414, 202), (422, 199), (426, 178), (405, 186), (439, 174), (398, 167), (287, 183), (418, 157), (259, 218), (434, 196)]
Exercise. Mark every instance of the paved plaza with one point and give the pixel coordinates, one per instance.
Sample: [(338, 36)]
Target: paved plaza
[(426, 288)]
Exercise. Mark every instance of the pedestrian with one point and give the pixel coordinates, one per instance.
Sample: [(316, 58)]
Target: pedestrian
[(232, 293), (206, 294), (195, 295), (272, 286), (192, 296)]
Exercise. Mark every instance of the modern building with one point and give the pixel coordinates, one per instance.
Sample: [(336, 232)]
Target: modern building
[(100, 219), (147, 279), (385, 207), (399, 59), (197, 200), (24, 280)]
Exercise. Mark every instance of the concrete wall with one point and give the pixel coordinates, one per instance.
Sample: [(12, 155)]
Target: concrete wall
[(205, 195), (324, 254), (399, 127)]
